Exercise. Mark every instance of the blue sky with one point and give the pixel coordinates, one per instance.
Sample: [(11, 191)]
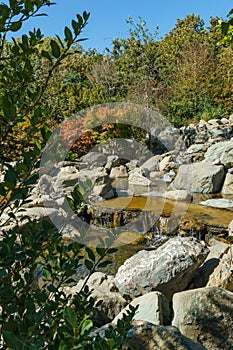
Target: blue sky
[(108, 18)]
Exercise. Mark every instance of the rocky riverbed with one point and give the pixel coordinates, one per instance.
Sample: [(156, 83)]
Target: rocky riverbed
[(183, 193)]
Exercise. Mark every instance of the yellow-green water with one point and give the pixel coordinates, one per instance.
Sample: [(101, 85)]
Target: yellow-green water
[(160, 206)]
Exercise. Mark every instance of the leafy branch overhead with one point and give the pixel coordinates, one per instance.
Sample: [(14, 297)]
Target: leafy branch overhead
[(227, 29), (36, 264)]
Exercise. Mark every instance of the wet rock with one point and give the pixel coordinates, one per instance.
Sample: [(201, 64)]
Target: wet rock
[(168, 269), (221, 203), (205, 315), (104, 191), (176, 195), (179, 195)]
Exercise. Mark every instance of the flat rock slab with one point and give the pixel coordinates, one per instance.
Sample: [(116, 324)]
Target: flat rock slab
[(221, 203)]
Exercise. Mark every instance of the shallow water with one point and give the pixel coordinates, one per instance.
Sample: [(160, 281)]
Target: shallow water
[(160, 206), (129, 197)]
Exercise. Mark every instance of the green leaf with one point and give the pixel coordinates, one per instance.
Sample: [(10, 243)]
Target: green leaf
[(22, 168), (224, 27), (11, 176), (70, 317), (104, 263), (86, 325), (89, 264), (112, 250), (15, 26), (2, 190), (11, 339), (68, 35), (37, 143), (100, 251), (86, 15), (46, 274), (76, 27), (90, 253), (60, 41), (80, 20), (55, 49), (46, 55), (28, 6), (32, 179), (20, 193)]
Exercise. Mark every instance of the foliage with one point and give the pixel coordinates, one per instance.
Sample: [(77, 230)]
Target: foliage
[(36, 264), (98, 124), (227, 29)]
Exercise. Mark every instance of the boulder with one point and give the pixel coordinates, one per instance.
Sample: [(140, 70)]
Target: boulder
[(164, 164), (206, 315), (167, 269), (104, 191), (196, 148), (179, 195), (202, 125), (119, 172), (223, 273), (155, 175), (230, 228), (168, 137), (135, 178), (112, 161), (134, 163), (152, 164), (104, 289), (223, 151), (217, 250), (95, 159), (97, 176), (146, 336), (202, 177), (228, 184), (219, 133), (221, 203), (231, 118), (153, 307), (224, 121), (176, 195), (201, 137)]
